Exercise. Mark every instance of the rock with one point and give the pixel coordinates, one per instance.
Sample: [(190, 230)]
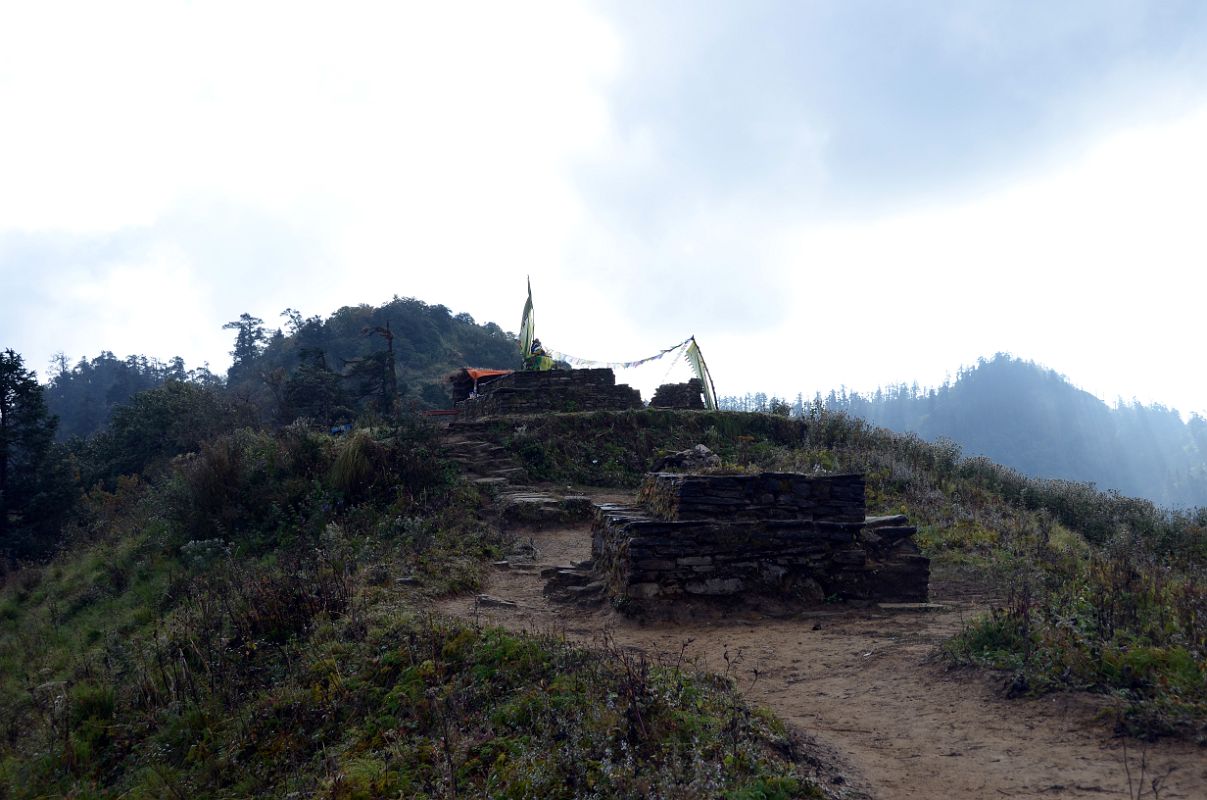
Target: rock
[(715, 586), (695, 458), (882, 522), (496, 602)]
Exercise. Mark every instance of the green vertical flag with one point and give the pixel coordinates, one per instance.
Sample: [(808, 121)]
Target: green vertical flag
[(527, 328), (696, 359)]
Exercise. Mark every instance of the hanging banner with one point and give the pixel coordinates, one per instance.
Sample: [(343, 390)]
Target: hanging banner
[(696, 359), (527, 326), (586, 362)]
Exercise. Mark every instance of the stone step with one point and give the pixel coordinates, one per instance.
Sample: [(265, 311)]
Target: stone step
[(476, 449), (495, 602), (885, 522), (509, 473), (571, 577), (580, 590), (588, 594), (559, 578)]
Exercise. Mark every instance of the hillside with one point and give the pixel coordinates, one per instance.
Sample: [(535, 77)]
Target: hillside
[(1032, 419), (236, 608), (255, 619)]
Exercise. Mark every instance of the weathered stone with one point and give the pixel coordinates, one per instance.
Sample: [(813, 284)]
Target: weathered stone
[(653, 564), (694, 458), (497, 602), (715, 586)]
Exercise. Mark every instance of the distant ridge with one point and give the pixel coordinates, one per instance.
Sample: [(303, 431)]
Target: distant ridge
[(1032, 419)]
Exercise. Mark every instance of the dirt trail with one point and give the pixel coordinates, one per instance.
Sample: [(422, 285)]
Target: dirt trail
[(865, 684)]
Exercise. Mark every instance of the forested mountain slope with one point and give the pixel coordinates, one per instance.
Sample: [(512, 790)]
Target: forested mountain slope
[(326, 369), (1032, 419)]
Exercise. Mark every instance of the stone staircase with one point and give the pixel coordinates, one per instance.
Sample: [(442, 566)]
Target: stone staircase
[(487, 463), (484, 462), (576, 582)]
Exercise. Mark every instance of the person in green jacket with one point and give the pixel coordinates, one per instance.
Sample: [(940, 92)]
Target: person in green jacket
[(537, 359)]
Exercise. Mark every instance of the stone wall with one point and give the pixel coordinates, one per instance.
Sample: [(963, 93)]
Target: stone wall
[(555, 390), (679, 395), (792, 537), (768, 495)]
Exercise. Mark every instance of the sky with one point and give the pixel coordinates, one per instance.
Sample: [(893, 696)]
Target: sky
[(828, 193)]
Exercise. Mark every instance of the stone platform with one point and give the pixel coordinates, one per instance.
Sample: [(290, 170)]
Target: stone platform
[(558, 390), (783, 535)]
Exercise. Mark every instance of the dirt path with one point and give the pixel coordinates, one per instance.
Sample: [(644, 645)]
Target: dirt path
[(865, 684)]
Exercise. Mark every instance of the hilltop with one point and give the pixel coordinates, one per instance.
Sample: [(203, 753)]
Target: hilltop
[(324, 369), (255, 610)]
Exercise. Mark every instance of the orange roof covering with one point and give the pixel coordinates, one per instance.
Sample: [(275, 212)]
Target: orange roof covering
[(478, 374)]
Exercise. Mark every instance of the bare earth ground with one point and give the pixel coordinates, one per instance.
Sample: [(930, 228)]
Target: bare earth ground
[(866, 685)]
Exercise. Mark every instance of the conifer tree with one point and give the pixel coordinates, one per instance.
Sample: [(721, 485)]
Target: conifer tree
[(32, 485)]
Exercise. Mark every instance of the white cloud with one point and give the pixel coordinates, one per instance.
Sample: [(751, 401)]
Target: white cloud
[(1096, 270), (420, 149)]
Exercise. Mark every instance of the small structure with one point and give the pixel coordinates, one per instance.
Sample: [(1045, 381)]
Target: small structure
[(784, 535), (556, 390), (679, 395)]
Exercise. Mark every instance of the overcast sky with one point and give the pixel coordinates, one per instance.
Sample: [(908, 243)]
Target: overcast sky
[(824, 193)]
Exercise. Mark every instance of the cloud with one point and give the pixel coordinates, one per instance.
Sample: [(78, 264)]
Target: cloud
[(824, 193), (285, 154), (162, 289), (1093, 269), (732, 124)]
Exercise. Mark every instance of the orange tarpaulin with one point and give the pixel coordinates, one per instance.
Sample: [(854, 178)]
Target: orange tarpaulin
[(479, 374)]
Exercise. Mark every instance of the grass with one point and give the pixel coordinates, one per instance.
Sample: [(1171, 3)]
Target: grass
[(248, 623), (1116, 621), (242, 627)]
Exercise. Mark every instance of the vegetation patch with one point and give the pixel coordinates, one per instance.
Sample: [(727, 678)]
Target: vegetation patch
[(244, 623), (1118, 621)]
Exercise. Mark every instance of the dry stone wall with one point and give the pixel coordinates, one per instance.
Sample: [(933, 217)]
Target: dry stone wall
[(679, 395), (557, 390), (794, 537)]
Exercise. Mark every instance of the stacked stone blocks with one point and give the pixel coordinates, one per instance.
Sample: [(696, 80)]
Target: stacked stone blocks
[(679, 395), (785, 535), (558, 390)]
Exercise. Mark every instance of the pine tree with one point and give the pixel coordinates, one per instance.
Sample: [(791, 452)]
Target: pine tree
[(249, 341), (33, 485)]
